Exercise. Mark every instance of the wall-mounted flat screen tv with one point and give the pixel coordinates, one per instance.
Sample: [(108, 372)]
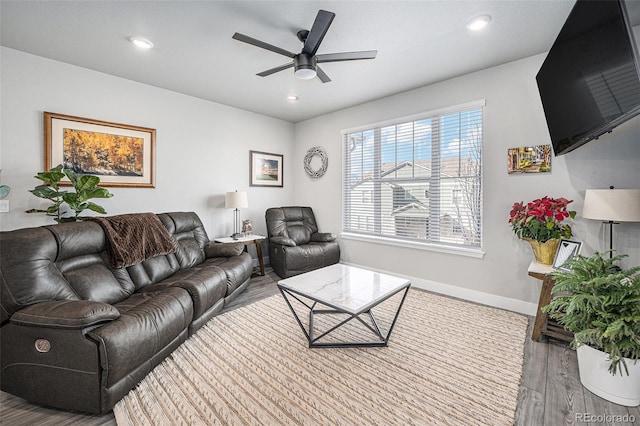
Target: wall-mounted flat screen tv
[(589, 82)]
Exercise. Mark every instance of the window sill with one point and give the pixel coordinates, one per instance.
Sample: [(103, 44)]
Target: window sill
[(459, 251)]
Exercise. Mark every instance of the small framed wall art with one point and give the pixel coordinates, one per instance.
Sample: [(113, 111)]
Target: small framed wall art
[(529, 159), (567, 249), (119, 154), (265, 169)]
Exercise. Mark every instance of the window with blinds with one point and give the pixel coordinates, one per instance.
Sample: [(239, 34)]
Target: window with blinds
[(418, 180)]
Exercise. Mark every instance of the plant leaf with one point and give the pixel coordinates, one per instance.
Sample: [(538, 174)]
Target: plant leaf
[(96, 208), (86, 182), (98, 193)]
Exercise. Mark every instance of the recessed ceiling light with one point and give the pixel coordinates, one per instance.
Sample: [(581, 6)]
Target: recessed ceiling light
[(292, 98), (479, 22), (142, 43)]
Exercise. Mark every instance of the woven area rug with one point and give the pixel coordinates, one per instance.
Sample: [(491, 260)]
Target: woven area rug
[(448, 362)]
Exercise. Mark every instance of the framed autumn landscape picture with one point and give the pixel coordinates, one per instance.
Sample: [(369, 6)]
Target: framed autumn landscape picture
[(120, 155)]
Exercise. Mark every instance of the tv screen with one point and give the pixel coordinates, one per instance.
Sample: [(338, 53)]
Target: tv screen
[(589, 82)]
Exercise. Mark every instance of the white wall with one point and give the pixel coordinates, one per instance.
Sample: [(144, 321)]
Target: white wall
[(202, 148), (513, 117), (202, 152)]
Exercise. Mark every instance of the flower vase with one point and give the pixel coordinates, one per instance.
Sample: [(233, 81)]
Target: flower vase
[(544, 252)]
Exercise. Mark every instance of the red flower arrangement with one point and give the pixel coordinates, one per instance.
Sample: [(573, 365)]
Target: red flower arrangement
[(541, 219)]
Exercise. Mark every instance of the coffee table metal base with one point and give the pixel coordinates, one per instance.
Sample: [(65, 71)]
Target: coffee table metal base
[(318, 308)]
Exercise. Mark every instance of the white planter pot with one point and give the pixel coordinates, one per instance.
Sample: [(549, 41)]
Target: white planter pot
[(594, 375)]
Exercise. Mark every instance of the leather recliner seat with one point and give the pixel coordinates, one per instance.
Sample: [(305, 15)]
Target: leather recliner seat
[(77, 334), (295, 245)]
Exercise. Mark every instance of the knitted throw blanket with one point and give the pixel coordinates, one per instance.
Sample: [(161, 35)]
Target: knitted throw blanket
[(133, 238)]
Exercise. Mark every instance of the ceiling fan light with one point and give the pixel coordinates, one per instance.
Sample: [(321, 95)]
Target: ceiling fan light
[(305, 73), (305, 66)]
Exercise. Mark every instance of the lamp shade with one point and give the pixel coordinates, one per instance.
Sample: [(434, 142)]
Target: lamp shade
[(617, 205), (236, 200)]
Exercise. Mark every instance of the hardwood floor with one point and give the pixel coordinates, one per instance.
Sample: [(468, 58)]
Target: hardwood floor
[(550, 391)]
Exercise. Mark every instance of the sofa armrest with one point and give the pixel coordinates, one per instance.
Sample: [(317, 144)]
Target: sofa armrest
[(70, 314), (322, 237), (223, 249), (283, 241)]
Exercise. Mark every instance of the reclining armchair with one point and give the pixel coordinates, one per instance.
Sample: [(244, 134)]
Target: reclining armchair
[(295, 245)]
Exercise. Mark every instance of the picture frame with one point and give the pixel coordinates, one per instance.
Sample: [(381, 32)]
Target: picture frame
[(265, 169), (567, 249), (529, 159), (121, 155)]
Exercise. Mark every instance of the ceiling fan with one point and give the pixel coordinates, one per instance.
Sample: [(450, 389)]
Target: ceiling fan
[(306, 62)]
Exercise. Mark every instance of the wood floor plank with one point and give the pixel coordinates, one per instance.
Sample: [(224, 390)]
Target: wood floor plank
[(534, 374), (605, 413), (18, 412), (564, 396), (530, 406), (635, 412)]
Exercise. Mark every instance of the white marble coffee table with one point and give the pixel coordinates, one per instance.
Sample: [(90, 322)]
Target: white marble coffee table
[(345, 290)]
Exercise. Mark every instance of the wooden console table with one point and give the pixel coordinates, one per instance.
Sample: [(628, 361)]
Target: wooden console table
[(543, 325)]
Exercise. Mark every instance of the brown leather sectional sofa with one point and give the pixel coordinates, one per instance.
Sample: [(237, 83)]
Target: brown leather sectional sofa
[(78, 334)]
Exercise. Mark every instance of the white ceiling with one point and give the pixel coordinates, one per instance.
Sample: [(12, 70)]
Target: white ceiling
[(418, 43)]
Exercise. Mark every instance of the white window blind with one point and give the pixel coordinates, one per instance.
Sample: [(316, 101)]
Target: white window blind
[(417, 179)]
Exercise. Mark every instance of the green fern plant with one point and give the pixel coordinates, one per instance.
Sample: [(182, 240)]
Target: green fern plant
[(600, 304)]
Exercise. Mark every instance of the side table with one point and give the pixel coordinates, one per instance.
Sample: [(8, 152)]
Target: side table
[(256, 240), (543, 325)]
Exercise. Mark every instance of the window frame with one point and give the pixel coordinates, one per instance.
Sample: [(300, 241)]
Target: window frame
[(376, 237)]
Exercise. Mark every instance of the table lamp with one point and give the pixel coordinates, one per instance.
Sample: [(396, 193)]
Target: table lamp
[(612, 206), (236, 200)]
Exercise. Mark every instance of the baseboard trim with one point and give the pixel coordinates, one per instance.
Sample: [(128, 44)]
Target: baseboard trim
[(475, 296)]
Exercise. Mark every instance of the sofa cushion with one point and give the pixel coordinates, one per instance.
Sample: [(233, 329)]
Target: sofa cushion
[(148, 322), (189, 234), (205, 283), (237, 269), (299, 234), (295, 223), (84, 262), (92, 279), (29, 275), (153, 270)]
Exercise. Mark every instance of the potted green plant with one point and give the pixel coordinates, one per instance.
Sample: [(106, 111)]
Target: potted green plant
[(540, 223), (85, 187), (600, 303)]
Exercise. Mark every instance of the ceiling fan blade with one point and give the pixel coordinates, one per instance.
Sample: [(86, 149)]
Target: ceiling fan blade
[(322, 75), (275, 70), (262, 44), (318, 31), (347, 56)]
